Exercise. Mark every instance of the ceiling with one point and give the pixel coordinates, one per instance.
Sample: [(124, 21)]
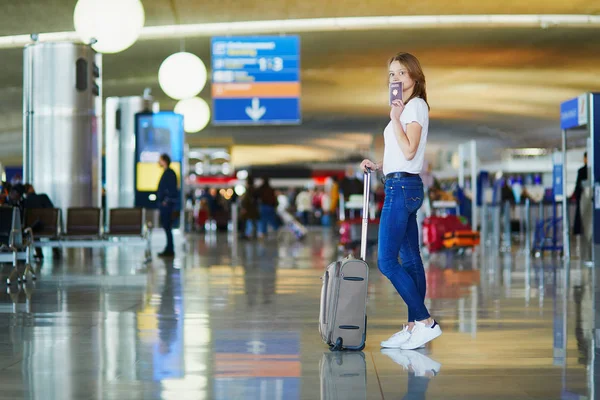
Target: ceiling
[(501, 86)]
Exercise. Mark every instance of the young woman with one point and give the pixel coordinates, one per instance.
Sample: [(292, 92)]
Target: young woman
[(405, 138)]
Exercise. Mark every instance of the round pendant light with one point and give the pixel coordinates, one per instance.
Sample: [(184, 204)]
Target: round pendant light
[(115, 25)]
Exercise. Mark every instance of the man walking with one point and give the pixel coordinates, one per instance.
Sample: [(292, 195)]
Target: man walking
[(582, 176), (167, 198)]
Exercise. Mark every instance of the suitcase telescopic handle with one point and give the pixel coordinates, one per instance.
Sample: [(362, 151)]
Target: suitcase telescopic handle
[(365, 215)]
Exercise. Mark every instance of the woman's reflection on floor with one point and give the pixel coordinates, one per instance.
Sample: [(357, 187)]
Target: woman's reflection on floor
[(421, 369)]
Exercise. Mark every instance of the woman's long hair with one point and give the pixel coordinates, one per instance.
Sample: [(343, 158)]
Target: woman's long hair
[(413, 66)]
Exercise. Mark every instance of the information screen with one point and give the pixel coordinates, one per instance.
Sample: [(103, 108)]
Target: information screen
[(156, 133)]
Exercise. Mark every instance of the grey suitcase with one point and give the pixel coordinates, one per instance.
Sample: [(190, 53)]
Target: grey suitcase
[(343, 319), (343, 376)]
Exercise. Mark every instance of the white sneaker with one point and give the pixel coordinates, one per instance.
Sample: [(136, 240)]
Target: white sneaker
[(420, 335), (398, 356), (421, 364), (397, 339)]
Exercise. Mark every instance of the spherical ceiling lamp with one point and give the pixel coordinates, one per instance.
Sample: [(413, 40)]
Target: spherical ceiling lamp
[(196, 114), (114, 24), (182, 75)]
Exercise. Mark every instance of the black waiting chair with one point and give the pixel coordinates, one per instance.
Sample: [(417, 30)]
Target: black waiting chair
[(44, 222), (84, 223), (130, 222), (84, 227)]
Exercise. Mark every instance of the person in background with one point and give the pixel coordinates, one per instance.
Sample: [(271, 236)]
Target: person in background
[(268, 204), (334, 197), (15, 198), (350, 184), (16, 179), (34, 200), (203, 213), (430, 183), (249, 209), (209, 200), (4, 190), (525, 195), (283, 202), (582, 176), (427, 176), (326, 208), (167, 198), (317, 196), (292, 193), (216, 202), (218, 213), (507, 194), (211, 196), (304, 205)]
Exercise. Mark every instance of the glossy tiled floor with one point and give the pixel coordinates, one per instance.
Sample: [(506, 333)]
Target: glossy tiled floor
[(238, 321)]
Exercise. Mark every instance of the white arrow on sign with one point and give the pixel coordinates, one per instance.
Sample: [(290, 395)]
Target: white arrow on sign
[(256, 111)]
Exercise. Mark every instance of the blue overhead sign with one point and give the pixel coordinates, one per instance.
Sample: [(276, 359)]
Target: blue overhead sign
[(256, 80), (574, 113)]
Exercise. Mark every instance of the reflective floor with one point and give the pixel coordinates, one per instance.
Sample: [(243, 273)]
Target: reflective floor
[(229, 320)]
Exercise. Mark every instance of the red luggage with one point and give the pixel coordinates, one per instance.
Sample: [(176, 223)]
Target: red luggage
[(435, 227), (202, 217), (350, 232), (351, 228), (461, 239)]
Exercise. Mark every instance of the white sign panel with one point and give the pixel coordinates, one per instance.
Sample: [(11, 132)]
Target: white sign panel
[(582, 109)]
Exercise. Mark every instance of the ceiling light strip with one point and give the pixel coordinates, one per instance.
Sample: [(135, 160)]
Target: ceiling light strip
[(333, 24)]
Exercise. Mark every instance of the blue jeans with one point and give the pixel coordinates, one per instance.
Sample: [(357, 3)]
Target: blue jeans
[(267, 217), (250, 227), (399, 235)]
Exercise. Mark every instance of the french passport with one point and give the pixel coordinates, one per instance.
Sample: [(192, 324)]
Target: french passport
[(395, 91)]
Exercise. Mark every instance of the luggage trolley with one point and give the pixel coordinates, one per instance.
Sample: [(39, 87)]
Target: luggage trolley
[(547, 236)]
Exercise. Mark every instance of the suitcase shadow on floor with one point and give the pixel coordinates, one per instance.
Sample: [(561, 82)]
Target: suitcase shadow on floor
[(344, 374)]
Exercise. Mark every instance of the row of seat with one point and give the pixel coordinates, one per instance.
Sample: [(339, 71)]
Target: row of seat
[(86, 223), (15, 242), (84, 229)]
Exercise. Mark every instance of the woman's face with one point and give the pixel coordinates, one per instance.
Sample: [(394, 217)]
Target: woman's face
[(399, 73)]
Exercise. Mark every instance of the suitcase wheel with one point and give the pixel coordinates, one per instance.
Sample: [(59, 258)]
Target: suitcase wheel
[(339, 343), (338, 346)]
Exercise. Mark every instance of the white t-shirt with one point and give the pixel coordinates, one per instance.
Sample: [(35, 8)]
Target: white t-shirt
[(282, 202), (303, 201), (325, 202), (416, 110)]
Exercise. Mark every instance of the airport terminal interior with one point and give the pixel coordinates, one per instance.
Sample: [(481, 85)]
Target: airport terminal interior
[(186, 211)]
